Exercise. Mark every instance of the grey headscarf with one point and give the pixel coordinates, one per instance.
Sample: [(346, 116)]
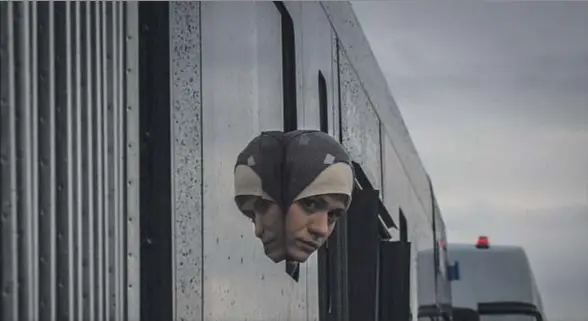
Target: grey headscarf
[(315, 164), (258, 171), (286, 167)]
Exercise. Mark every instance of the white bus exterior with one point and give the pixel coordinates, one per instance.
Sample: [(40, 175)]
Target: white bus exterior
[(496, 281)]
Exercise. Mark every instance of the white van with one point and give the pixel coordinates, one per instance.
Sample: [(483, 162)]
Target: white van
[(495, 281)]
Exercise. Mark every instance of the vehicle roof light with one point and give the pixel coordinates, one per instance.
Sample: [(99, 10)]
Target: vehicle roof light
[(483, 242)]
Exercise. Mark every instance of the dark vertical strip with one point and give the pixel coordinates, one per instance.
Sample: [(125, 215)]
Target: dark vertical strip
[(324, 266), (341, 231), (76, 132), (63, 295), (85, 107), (19, 153), (288, 68), (339, 91), (108, 160), (89, 125), (99, 168), (338, 272), (23, 156), (404, 279), (436, 258), (323, 103), (323, 281), (394, 295), (47, 191), (9, 216), (363, 251), (4, 134), (406, 313), (382, 160), (70, 159), (155, 180), (403, 226)]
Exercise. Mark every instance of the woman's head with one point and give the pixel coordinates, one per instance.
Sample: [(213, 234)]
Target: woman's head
[(294, 187), (318, 182), (258, 191)]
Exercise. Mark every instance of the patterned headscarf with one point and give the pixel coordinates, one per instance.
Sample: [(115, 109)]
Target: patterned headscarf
[(315, 164), (286, 167)]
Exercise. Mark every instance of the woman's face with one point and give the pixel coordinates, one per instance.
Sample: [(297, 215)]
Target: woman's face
[(269, 228), (309, 222), (268, 221)]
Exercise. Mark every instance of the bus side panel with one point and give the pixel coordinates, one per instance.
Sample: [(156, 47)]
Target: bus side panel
[(420, 234), (186, 158), (241, 96), (444, 285), (314, 61), (396, 184), (361, 136), (360, 124)]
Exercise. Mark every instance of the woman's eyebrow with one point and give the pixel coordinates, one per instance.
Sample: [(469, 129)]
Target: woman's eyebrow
[(333, 202), (320, 200)]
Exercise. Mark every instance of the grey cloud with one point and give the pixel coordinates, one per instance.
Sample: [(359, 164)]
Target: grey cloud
[(508, 165), (497, 54)]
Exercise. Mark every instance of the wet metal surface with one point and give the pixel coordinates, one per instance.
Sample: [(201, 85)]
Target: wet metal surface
[(69, 156), (187, 158), (68, 161), (241, 96)]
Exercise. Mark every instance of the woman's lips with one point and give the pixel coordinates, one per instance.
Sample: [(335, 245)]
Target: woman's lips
[(309, 246), (270, 243)]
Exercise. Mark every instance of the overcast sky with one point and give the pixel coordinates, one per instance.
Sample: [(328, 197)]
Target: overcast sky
[(495, 96)]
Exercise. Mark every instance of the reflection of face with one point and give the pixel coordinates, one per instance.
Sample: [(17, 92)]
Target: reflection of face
[(309, 222), (268, 220)]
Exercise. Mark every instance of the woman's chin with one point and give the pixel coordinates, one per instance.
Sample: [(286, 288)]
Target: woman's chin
[(276, 256), (298, 255)]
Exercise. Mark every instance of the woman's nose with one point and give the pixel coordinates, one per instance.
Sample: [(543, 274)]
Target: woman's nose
[(318, 224), (258, 226)]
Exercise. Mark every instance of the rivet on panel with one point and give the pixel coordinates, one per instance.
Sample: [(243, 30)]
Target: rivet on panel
[(5, 293)]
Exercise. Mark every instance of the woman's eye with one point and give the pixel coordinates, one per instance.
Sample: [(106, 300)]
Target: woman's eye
[(311, 205), (334, 215)]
